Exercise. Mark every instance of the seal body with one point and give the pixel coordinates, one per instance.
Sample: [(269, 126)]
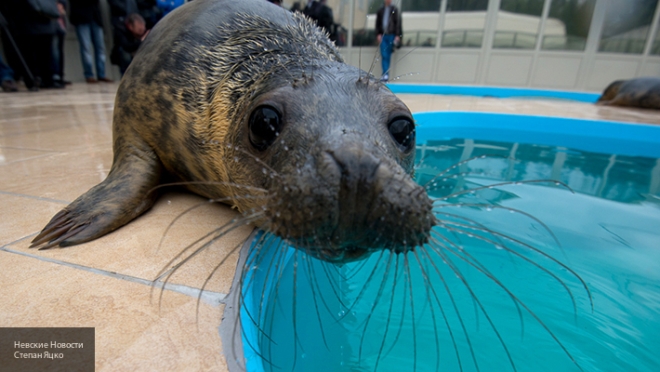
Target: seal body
[(249, 104), (640, 92)]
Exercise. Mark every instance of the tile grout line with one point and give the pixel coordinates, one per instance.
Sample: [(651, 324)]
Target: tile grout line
[(210, 297), (29, 149), (34, 197)]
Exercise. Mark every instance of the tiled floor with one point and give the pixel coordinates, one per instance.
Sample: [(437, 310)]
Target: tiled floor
[(54, 145)]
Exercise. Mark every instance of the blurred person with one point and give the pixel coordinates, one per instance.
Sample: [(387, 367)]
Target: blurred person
[(296, 7), (388, 29), (7, 77), (86, 16), (119, 10), (321, 13), (58, 45), (33, 33), (150, 11), (127, 40)]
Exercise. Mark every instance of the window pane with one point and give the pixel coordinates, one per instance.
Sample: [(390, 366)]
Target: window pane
[(518, 23), (420, 22), (627, 25), (655, 48), (465, 21), (364, 22), (567, 26)]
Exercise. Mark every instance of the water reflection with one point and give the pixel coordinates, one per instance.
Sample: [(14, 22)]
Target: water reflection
[(621, 178)]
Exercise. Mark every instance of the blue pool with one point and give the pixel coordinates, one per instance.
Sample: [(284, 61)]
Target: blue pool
[(558, 275)]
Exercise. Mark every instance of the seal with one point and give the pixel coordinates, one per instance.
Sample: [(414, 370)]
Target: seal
[(249, 104), (641, 92)]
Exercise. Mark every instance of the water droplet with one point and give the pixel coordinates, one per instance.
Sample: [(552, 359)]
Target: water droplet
[(488, 209), (286, 148), (236, 159), (303, 356), (340, 314), (169, 202), (264, 171), (499, 247), (277, 214)]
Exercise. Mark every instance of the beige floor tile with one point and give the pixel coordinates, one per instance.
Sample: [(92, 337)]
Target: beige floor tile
[(61, 176), (9, 155), (22, 216), (133, 331), (133, 250)]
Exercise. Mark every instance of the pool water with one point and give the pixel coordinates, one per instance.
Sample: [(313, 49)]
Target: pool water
[(521, 275)]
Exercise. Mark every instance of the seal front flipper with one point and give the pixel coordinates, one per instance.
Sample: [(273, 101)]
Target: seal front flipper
[(126, 193)]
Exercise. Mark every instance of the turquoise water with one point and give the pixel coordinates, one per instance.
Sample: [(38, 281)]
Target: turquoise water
[(501, 288)]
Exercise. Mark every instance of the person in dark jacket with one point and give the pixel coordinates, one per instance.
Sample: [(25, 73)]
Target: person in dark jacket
[(86, 16), (127, 40), (321, 13), (33, 33), (388, 31)]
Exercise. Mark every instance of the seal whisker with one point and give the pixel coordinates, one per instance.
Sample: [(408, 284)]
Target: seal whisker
[(458, 164), (408, 277), (529, 311), (166, 273), (438, 250), (366, 285), (208, 278), (218, 183), (474, 297), (389, 314), (254, 261), (499, 184), (373, 307), (190, 209), (428, 288), (495, 206), (536, 250), (316, 294)]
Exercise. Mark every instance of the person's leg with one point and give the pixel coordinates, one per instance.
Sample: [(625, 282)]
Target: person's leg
[(6, 73), (55, 64), (386, 45), (85, 40), (7, 78), (43, 46), (99, 50)]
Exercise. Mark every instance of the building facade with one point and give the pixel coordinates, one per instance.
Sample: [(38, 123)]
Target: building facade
[(554, 44)]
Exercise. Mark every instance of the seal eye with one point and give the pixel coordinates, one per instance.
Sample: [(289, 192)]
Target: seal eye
[(265, 126), (403, 131)]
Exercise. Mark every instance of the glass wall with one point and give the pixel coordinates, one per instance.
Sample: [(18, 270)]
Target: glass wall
[(567, 26), (518, 23), (420, 22), (655, 48), (464, 25), (364, 22), (627, 25)]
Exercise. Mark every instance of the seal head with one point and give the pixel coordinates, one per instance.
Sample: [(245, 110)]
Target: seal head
[(251, 105)]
